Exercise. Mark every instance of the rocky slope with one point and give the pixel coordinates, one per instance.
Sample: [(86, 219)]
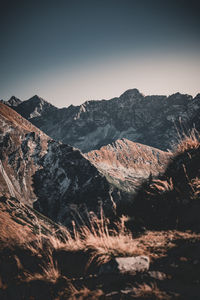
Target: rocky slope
[(54, 178), (150, 120), (128, 164)]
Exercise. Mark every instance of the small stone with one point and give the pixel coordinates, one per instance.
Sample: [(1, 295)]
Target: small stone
[(157, 275), (182, 258)]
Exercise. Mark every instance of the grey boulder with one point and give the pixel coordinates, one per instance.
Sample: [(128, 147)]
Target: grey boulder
[(126, 265)]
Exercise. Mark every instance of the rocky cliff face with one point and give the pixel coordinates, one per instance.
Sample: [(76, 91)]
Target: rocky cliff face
[(54, 178), (150, 120), (21, 147)]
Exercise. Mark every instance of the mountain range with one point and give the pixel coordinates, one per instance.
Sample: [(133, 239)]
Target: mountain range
[(155, 120)]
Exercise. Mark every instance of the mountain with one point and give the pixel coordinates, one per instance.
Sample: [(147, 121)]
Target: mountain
[(13, 102), (54, 178), (128, 164), (150, 120), (34, 107)]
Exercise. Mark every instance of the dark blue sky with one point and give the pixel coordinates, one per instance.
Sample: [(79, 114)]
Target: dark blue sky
[(71, 51)]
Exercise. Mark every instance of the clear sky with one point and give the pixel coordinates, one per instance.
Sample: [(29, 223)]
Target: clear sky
[(70, 51)]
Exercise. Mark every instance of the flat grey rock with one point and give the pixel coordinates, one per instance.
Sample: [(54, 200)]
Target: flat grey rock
[(126, 265)]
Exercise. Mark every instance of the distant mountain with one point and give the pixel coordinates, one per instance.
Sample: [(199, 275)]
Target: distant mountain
[(13, 102), (150, 120), (34, 107)]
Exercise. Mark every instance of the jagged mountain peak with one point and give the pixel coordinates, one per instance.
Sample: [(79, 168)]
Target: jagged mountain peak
[(37, 98), (34, 107), (131, 93), (14, 101), (179, 99)]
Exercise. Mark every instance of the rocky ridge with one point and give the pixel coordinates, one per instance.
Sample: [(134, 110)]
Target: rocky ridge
[(128, 164)]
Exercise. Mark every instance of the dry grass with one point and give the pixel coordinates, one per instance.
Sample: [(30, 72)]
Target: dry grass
[(11, 233), (188, 142), (161, 186), (150, 292), (84, 293), (106, 243), (195, 185), (97, 239), (156, 244)]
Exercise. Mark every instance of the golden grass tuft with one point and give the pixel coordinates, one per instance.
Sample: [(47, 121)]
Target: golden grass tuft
[(49, 273), (99, 240), (195, 185), (85, 293), (161, 186), (150, 292), (188, 142)]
